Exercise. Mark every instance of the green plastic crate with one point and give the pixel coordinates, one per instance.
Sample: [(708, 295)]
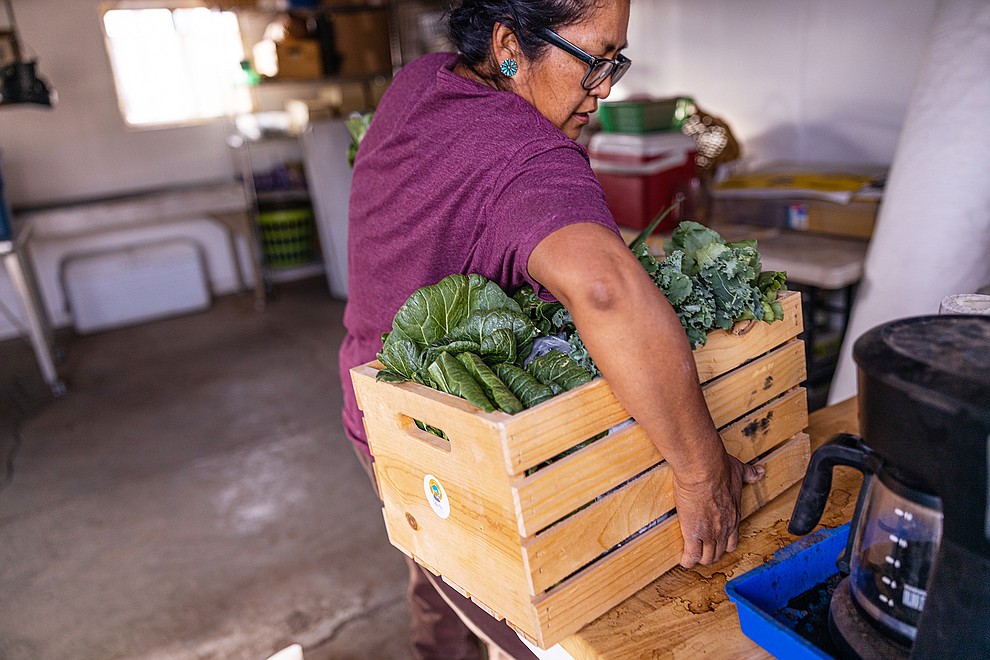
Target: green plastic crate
[(287, 236), (645, 116)]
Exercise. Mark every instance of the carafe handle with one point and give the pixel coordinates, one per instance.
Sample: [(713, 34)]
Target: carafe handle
[(842, 449)]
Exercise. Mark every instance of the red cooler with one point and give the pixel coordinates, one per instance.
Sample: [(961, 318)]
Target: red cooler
[(643, 173)]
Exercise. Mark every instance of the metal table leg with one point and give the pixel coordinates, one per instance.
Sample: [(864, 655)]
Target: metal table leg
[(39, 329)]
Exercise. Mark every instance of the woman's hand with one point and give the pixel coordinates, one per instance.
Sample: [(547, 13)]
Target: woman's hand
[(708, 510)]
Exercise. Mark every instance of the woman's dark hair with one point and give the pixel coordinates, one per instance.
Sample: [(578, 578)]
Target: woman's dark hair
[(470, 25)]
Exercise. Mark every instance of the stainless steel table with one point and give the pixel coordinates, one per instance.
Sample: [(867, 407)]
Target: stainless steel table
[(15, 255)]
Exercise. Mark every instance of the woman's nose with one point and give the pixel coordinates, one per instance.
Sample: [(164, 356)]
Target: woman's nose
[(603, 89)]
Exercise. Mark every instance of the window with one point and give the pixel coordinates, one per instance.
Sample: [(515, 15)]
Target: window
[(175, 65)]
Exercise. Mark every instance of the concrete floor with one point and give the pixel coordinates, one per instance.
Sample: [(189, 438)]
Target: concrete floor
[(192, 496)]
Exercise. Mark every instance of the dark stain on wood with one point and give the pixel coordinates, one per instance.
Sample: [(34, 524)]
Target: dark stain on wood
[(758, 425)]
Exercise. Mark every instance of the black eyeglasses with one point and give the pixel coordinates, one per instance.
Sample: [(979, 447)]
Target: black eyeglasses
[(599, 68)]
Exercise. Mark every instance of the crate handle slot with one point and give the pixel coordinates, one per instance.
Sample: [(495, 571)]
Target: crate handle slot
[(409, 426)]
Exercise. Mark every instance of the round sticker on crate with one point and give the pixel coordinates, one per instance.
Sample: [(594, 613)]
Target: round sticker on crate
[(436, 496)]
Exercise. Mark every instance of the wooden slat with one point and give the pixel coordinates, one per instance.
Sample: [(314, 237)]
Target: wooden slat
[(568, 545), (577, 541), (596, 589), (734, 394), (573, 481), (767, 426), (554, 426), (492, 613), (727, 349)]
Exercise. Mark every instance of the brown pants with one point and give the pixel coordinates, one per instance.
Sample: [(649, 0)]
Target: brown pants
[(444, 624)]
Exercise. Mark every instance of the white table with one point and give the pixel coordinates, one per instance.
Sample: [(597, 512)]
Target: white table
[(815, 260)]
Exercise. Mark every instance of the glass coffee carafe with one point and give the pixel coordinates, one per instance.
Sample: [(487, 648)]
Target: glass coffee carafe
[(896, 536)]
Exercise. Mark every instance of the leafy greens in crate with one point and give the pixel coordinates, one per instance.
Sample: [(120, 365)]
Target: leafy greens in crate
[(466, 337)]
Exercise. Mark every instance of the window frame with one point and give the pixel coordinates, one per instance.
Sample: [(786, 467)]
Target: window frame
[(171, 5)]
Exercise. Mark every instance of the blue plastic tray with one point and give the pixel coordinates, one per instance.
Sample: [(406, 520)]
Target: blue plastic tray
[(765, 590)]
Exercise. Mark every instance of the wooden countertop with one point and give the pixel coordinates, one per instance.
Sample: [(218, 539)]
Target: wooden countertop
[(685, 613)]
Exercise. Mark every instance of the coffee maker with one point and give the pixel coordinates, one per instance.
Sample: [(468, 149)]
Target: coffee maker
[(919, 546)]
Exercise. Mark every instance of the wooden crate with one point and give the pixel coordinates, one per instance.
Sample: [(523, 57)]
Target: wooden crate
[(471, 510)]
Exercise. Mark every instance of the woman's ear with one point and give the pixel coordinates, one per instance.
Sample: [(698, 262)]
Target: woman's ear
[(505, 46)]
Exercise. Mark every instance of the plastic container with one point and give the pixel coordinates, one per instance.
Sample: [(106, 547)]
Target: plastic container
[(643, 174), (287, 235), (759, 593), (645, 116)]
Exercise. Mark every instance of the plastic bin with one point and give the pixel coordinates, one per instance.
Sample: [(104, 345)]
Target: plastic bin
[(759, 593), (643, 174), (645, 116), (287, 235)]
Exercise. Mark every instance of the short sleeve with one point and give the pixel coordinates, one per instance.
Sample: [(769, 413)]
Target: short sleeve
[(543, 189)]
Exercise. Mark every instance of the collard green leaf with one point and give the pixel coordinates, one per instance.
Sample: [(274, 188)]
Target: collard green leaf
[(482, 293), (559, 371), (453, 347), (450, 376), (494, 388), (430, 312), (483, 323), (500, 346), (431, 429), (526, 388), (386, 376), (401, 355)]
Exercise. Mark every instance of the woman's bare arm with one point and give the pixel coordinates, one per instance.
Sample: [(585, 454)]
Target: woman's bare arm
[(638, 343)]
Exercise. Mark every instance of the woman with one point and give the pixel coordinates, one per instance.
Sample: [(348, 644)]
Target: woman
[(471, 166)]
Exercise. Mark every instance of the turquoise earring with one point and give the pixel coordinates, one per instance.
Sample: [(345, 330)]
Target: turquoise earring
[(509, 67)]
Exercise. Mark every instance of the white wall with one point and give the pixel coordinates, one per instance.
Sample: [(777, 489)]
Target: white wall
[(932, 237), (81, 149), (810, 80)]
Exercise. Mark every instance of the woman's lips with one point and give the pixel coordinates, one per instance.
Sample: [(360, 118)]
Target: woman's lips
[(582, 117)]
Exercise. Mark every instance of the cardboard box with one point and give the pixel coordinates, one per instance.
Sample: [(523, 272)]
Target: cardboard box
[(362, 42), (546, 530), (293, 59), (852, 220), (643, 174), (835, 201)]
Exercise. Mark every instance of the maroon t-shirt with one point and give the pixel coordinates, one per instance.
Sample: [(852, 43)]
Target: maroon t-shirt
[(452, 177)]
